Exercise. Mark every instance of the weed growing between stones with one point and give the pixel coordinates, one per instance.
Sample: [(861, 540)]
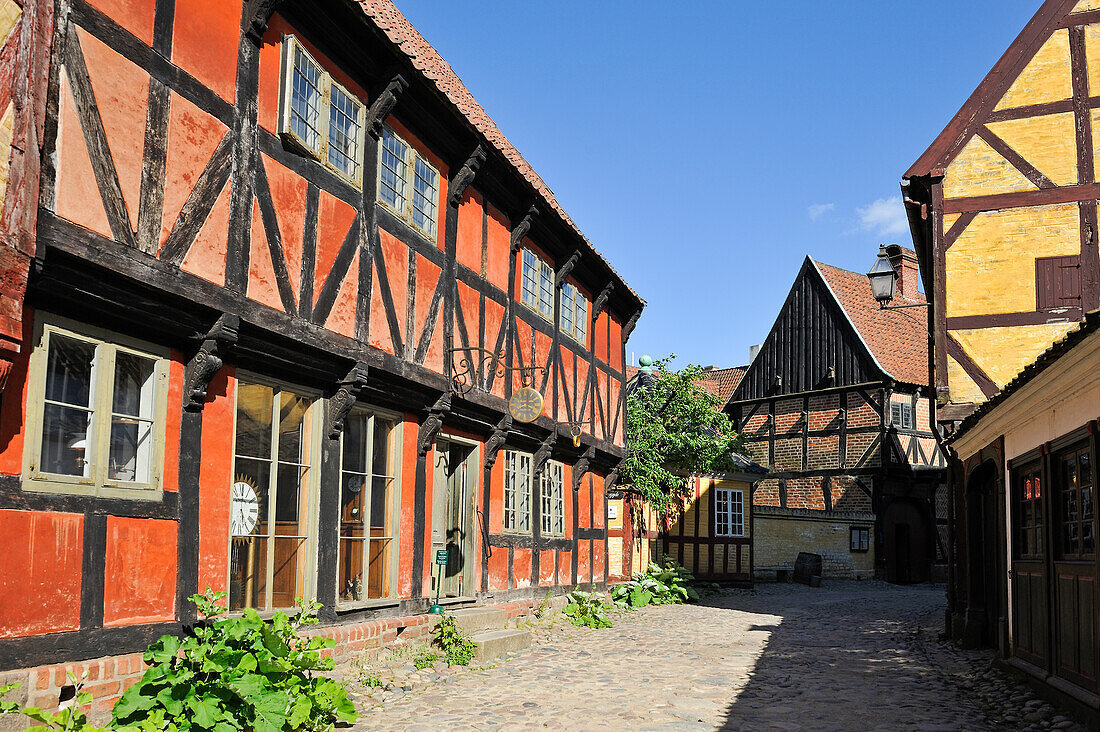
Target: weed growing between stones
[(424, 659), (587, 609), (457, 646)]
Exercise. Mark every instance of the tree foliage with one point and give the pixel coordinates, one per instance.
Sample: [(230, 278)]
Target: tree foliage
[(674, 428)]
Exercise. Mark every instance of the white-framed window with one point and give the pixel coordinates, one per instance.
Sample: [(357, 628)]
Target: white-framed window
[(368, 542), (538, 285), (96, 411), (323, 118), (859, 538), (574, 313), (407, 183), (517, 492), (552, 492), (901, 415), (729, 512), (273, 496)]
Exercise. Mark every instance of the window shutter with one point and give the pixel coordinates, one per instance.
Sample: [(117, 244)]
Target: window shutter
[(1057, 282)]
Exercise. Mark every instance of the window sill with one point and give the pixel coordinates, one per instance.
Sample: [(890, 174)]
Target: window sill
[(373, 604), (89, 490), (535, 311), (405, 219)]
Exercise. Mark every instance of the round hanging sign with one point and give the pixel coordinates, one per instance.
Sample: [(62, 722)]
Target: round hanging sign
[(525, 405)]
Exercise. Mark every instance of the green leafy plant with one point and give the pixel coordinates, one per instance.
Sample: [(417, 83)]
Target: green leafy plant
[(70, 718), (674, 428), (371, 680), (237, 673), (457, 646), (658, 585), (424, 659), (587, 609)]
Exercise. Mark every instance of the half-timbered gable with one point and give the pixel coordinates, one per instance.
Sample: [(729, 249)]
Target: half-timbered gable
[(287, 276), (1002, 208), (835, 405)]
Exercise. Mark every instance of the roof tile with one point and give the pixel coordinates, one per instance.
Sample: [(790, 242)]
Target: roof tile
[(898, 339)]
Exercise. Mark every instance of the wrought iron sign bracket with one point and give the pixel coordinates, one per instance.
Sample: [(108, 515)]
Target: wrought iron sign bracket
[(468, 368)]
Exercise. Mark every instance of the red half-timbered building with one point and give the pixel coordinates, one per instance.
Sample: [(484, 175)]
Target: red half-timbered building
[(270, 276)]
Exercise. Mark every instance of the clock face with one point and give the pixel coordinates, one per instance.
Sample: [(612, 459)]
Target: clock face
[(525, 405), (244, 508)]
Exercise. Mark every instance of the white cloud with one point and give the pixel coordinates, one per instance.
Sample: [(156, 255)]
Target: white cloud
[(817, 210), (884, 217)]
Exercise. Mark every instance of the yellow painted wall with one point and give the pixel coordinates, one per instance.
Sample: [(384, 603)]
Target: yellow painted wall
[(1046, 78), (1048, 142), (980, 171), (1004, 352), (1086, 5), (963, 388), (991, 267), (778, 540)]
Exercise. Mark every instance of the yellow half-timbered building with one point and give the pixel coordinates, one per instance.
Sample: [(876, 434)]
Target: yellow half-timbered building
[(1003, 208)]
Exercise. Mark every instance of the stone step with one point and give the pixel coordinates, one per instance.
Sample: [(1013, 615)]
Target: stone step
[(494, 643), (476, 619)]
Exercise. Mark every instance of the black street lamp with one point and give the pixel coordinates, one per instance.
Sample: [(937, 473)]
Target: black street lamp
[(884, 282)]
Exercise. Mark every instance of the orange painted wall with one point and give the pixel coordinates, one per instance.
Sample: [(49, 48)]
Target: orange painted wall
[(215, 475), (494, 320), (597, 560), (521, 567), (193, 135), (546, 567), (499, 239), (584, 507), (427, 278), (496, 495), (616, 344), (140, 571), (498, 569), (565, 567), (171, 475), (584, 563), (468, 239), (40, 576), (135, 16), (395, 257), (205, 41)]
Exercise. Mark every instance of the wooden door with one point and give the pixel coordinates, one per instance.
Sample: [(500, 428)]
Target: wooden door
[(451, 517)]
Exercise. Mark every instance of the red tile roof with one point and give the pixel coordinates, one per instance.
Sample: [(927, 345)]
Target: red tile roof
[(722, 382), (898, 339), (428, 62)]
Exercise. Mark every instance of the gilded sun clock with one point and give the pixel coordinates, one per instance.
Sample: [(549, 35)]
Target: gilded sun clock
[(525, 405), (244, 508)]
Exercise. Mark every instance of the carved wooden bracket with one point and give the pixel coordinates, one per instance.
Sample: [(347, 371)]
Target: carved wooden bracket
[(347, 390), (259, 12), (629, 327), (601, 300), (466, 175), (429, 428), (523, 228), (5, 371), (611, 479), (496, 440), (384, 104), (583, 466), (208, 360), (538, 461), (565, 269)]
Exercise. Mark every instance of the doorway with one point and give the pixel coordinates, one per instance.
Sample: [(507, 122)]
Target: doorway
[(452, 496)]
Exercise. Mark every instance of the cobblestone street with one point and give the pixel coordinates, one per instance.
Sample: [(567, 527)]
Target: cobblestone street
[(850, 655)]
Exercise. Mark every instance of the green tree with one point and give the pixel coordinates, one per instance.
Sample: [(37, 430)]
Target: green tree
[(674, 428)]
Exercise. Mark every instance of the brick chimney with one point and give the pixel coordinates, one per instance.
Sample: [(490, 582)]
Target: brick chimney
[(904, 262)]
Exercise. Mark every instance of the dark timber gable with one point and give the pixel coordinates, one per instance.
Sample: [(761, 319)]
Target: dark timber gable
[(812, 345)]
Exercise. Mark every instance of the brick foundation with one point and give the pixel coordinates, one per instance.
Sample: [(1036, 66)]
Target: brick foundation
[(110, 676)]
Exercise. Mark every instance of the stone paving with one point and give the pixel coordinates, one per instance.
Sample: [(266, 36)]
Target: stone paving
[(847, 656)]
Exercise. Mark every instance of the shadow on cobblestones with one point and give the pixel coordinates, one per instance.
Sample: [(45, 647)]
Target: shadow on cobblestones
[(847, 656)]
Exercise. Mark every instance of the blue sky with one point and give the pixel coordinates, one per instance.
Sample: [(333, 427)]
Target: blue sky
[(707, 147)]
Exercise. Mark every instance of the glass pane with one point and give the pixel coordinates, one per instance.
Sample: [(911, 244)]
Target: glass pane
[(394, 152), (292, 413), (251, 479), (131, 450), (377, 573), (247, 572), (290, 501), (305, 103), (380, 505), (67, 447), (69, 371), (133, 395), (254, 409), (381, 450), (1085, 462), (288, 577), (424, 196), (351, 570), (1070, 465), (355, 442), (343, 133)]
